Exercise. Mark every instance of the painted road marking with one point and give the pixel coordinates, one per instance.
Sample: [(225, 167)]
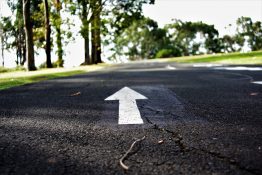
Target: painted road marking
[(240, 68), (206, 65), (170, 67), (257, 82), (128, 110)]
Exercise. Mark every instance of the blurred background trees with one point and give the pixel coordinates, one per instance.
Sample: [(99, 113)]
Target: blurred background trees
[(117, 25)]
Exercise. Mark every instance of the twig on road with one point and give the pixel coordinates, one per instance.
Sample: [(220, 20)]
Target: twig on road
[(128, 151), (75, 94)]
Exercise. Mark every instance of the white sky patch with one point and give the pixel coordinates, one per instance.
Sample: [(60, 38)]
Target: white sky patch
[(221, 13)]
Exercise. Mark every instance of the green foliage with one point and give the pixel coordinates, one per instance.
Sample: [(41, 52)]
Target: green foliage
[(126, 12), (140, 40), (246, 28), (124, 29), (18, 68), (165, 53), (8, 32), (3, 69), (183, 35), (57, 63)]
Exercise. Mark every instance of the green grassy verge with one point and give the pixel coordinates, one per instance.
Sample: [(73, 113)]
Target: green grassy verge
[(232, 58), (4, 69), (17, 78)]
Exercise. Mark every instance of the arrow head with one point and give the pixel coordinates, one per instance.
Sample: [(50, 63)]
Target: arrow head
[(126, 94)]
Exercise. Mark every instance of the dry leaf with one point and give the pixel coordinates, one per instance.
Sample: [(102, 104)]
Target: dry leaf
[(254, 93), (75, 94), (160, 141)]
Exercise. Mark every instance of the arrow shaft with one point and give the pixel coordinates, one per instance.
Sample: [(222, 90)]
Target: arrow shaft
[(129, 113)]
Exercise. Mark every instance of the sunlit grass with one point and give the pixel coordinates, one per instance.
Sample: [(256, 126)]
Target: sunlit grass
[(17, 78), (232, 58)]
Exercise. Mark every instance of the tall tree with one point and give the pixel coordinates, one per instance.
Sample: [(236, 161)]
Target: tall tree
[(29, 36), (120, 14), (184, 36), (58, 23), (96, 31), (89, 12), (47, 35), (141, 40), (85, 29), (2, 47), (250, 31), (17, 37), (83, 9), (2, 38)]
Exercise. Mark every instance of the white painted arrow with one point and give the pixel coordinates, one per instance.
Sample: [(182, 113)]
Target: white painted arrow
[(128, 110)]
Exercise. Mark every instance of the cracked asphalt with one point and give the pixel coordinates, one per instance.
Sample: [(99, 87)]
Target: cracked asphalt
[(197, 120)]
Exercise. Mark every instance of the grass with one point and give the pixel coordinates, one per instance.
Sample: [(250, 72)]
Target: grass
[(232, 58), (13, 78), (4, 69)]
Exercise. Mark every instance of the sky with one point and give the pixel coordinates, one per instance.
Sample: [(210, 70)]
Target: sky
[(221, 13)]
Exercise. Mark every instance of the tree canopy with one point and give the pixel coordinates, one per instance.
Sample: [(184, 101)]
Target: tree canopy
[(118, 25)]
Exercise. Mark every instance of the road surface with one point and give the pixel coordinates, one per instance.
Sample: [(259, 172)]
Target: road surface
[(192, 119)]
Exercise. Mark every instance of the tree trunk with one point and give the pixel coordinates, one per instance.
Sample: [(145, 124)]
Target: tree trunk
[(58, 34), (97, 32), (98, 37), (93, 40), (29, 36), (96, 25), (24, 55), (47, 36), (87, 56), (85, 32), (2, 51)]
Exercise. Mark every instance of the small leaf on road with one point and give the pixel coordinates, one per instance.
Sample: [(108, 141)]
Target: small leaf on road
[(75, 94), (254, 93), (160, 141)]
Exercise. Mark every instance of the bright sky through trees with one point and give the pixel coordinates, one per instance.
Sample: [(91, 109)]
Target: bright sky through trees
[(221, 13)]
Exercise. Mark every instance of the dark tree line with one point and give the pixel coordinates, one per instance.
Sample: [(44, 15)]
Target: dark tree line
[(36, 20), (144, 39)]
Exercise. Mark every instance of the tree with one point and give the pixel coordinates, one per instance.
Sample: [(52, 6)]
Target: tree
[(85, 28), (17, 34), (120, 15), (57, 22), (2, 44), (29, 36), (232, 43), (5, 32), (142, 40), (191, 37), (250, 31), (96, 31), (47, 35)]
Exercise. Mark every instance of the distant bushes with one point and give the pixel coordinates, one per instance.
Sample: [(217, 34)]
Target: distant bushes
[(168, 52), (4, 69), (54, 64), (164, 53)]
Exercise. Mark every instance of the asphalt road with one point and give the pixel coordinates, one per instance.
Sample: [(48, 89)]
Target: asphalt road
[(197, 120)]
